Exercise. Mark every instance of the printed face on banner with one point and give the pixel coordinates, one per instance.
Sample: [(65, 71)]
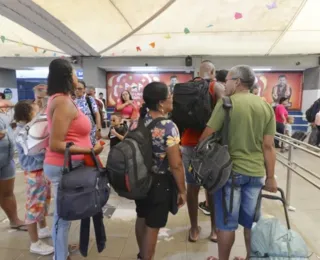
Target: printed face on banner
[(274, 86), (135, 83)]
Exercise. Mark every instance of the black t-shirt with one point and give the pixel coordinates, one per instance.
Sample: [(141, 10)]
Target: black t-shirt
[(121, 130)]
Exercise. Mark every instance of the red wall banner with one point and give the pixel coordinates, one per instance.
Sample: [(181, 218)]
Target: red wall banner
[(273, 86), (117, 82)]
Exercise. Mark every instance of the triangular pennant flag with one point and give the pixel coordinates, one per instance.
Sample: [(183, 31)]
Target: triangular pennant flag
[(54, 54), (3, 38), (238, 16), (44, 51), (167, 36), (17, 55), (35, 49), (186, 30), (20, 44), (271, 6), (153, 44), (209, 25), (138, 48)]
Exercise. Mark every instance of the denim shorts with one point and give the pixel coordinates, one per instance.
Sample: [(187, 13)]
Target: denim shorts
[(186, 159), (8, 171), (246, 190)]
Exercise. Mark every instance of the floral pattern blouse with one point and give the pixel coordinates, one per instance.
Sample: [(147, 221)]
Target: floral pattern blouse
[(165, 134)]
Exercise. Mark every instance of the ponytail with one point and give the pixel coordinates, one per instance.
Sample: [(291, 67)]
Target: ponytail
[(143, 110)]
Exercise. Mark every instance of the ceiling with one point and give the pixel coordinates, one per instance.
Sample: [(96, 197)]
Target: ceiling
[(42, 28)]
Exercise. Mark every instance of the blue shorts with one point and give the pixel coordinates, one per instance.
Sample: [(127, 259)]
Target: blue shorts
[(186, 159), (8, 171), (245, 196)]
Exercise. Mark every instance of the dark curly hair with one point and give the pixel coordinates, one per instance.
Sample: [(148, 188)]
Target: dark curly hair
[(60, 77), (3, 96), (23, 110)]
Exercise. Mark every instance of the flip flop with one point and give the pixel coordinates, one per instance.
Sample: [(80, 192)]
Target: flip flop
[(192, 240), (19, 228), (214, 240)]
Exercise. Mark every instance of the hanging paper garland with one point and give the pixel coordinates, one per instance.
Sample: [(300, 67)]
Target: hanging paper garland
[(152, 44), (271, 6), (238, 16), (186, 30)]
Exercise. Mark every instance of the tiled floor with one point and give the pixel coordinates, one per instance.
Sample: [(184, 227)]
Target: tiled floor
[(172, 243)]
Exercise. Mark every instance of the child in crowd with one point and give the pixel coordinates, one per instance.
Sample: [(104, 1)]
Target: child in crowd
[(288, 130), (118, 130), (38, 193)]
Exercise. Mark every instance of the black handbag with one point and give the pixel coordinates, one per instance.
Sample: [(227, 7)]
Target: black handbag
[(83, 190)]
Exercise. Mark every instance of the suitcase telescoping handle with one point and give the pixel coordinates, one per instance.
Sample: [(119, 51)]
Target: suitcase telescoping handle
[(273, 197)]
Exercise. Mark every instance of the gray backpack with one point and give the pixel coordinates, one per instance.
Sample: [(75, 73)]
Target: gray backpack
[(83, 190), (211, 162), (130, 162)]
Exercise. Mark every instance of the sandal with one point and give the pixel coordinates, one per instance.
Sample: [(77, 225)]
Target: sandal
[(192, 240), (20, 228)]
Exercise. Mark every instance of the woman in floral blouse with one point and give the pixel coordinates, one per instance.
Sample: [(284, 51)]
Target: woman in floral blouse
[(168, 173)]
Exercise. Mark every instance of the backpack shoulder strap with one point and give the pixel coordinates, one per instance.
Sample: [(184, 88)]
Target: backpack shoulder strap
[(155, 121), (227, 105), (90, 108)]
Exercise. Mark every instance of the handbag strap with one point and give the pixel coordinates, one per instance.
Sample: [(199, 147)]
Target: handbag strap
[(67, 164), (227, 105)]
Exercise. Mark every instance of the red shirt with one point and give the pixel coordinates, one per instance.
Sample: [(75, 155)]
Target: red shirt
[(280, 112)]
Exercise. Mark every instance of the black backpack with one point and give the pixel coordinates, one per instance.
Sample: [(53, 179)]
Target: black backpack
[(211, 163), (130, 161), (192, 104), (312, 111)]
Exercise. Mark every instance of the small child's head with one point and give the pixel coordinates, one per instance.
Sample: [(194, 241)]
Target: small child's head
[(25, 111), (116, 119), (290, 120)]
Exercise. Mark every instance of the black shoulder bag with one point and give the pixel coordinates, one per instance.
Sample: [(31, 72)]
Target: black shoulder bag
[(83, 190)]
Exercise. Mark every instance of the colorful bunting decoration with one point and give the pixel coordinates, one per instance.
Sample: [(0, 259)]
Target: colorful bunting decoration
[(20, 44), (138, 48), (54, 54), (186, 30), (35, 49), (271, 6), (238, 16), (3, 38), (44, 51), (210, 25), (152, 44), (167, 36)]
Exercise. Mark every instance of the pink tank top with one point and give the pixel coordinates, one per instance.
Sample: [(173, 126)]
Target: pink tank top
[(78, 133)]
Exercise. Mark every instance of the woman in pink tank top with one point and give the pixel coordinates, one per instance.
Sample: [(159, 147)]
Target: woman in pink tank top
[(66, 124)]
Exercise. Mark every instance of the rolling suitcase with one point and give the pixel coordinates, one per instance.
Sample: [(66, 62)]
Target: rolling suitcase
[(299, 135), (270, 239)]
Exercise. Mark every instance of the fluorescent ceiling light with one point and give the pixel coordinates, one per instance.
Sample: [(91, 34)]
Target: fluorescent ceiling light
[(143, 69), (262, 69)]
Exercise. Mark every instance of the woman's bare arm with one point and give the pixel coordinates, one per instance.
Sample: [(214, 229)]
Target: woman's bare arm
[(122, 106), (176, 166), (63, 112)]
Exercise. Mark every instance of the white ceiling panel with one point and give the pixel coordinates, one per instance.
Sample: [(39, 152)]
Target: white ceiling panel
[(308, 19), (170, 27), (298, 42), (19, 41)]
